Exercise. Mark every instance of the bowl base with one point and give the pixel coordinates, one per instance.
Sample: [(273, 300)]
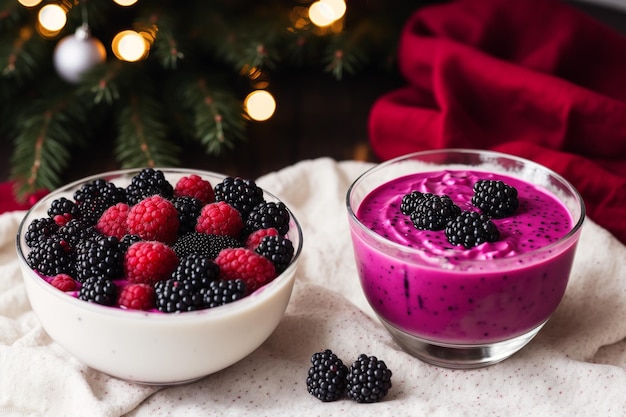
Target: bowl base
[(455, 356)]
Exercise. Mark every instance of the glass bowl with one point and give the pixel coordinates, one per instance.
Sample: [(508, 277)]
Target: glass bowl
[(446, 304)]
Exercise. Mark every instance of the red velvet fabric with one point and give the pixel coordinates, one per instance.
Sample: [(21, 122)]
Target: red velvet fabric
[(534, 78), (9, 202)]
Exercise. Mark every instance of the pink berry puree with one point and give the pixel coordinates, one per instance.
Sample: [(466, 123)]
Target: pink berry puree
[(436, 291)]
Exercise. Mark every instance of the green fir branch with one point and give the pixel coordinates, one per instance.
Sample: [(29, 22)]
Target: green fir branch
[(142, 140), (52, 127), (216, 114)]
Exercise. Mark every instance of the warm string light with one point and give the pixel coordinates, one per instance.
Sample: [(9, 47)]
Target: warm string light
[(125, 2), (130, 46), (29, 3), (51, 19), (324, 13), (260, 105)]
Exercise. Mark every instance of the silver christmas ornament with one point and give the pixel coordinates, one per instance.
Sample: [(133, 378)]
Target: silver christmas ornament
[(75, 54)]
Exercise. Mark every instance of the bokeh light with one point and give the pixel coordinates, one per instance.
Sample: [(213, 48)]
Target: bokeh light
[(130, 46), (52, 17), (125, 2), (29, 3), (325, 12), (260, 105)]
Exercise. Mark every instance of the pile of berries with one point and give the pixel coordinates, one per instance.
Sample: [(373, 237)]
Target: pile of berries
[(493, 198), (367, 380), (158, 246)]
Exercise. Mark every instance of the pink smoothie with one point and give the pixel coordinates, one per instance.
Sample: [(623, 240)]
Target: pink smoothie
[(436, 291)]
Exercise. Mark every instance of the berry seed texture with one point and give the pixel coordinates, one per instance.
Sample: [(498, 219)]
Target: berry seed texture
[(161, 246)]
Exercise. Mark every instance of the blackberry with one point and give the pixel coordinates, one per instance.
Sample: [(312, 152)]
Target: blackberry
[(98, 290), (52, 256), (95, 197), (326, 379), (410, 201), (173, 296), (199, 269), (128, 240), (495, 198), (204, 244), (242, 194), (77, 230), (432, 213), (102, 257), (470, 229), (63, 207), (277, 249), (39, 230), (369, 379), (223, 292), (188, 211), (146, 183), (266, 215)]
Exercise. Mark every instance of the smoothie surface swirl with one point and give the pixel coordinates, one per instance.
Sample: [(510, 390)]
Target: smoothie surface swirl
[(540, 219)]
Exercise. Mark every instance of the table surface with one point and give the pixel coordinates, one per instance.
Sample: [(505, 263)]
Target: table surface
[(576, 366)]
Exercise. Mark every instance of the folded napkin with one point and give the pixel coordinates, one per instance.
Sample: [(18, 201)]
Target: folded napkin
[(534, 78), (574, 367)]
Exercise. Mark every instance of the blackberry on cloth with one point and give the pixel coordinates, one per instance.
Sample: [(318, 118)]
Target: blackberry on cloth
[(369, 379), (326, 379)]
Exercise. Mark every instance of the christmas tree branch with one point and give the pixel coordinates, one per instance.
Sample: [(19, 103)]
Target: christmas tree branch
[(42, 148), (143, 139)]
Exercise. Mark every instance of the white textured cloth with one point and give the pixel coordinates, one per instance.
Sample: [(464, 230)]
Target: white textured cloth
[(574, 367)]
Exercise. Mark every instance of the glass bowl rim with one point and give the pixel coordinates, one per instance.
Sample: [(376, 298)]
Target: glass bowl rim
[(461, 263)]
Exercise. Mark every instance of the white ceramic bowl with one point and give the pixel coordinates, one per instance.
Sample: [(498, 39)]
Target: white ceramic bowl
[(150, 347)]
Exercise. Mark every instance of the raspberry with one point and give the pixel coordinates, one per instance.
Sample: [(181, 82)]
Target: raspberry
[(149, 262), (433, 213), (154, 218), (95, 197), (219, 218), (136, 297), (102, 256), (470, 229), (495, 198), (253, 240), (64, 282), (277, 249), (203, 244), (146, 183), (223, 292), (196, 187), (245, 264), (188, 209), (39, 230), (266, 215), (369, 380), (242, 194), (113, 221), (63, 210), (326, 379), (99, 291)]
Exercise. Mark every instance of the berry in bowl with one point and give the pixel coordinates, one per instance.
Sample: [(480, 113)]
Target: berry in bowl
[(159, 276), (463, 254)]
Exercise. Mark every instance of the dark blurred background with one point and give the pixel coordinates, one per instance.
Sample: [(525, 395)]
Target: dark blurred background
[(316, 116)]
